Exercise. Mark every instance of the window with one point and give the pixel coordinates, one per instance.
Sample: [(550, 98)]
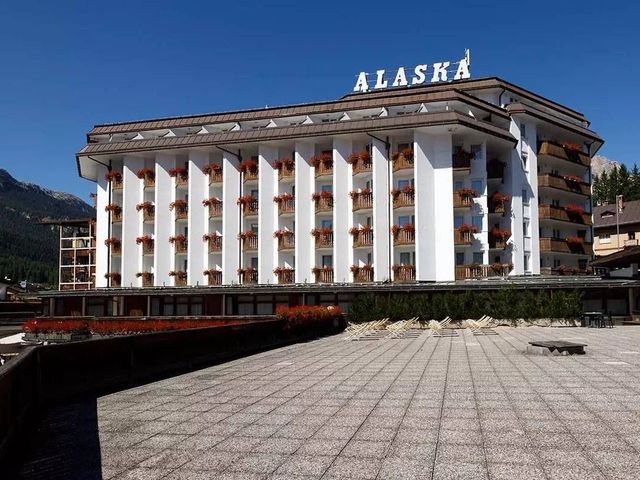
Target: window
[(457, 185), (457, 221), (369, 258), (497, 259), (605, 238), (254, 227), (369, 220), (254, 193), (405, 258), (582, 234), (526, 263), (459, 258), (478, 186), (254, 263), (328, 223), (403, 146), (478, 257), (632, 235), (523, 131), (404, 183), (327, 260), (555, 203), (326, 188), (525, 228), (556, 263), (582, 263), (556, 233), (525, 196), (476, 152), (404, 220), (476, 221)]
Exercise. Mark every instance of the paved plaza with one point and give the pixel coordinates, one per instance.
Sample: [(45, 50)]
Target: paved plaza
[(457, 407)]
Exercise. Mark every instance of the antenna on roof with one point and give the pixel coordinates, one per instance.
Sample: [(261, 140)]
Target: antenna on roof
[(467, 56)]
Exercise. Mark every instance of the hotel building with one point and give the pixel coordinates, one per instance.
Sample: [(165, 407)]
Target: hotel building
[(444, 182)]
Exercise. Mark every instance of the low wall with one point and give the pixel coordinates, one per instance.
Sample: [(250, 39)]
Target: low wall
[(53, 373)]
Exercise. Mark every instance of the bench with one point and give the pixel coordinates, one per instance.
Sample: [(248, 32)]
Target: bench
[(561, 346)]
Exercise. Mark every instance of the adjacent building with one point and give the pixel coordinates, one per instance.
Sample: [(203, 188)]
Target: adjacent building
[(436, 183), (613, 231)]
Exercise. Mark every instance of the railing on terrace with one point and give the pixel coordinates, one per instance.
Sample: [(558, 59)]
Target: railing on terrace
[(148, 214), (563, 270), (250, 174), (250, 243), (287, 206), (181, 246), (362, 167), (568, 183), (147, 248), (324, 168), (404, 273), (249, 277), (215, 243), (182, 212), (569, 154), (403, 163), (215, 209), (467, 272), (462, 238), (324, 204), (552, 212), (561, 245), (364, 200), (364, 238), (286, 276), (324, 276), (215, 176), (462, 200), (251, 208), (214, 278), (404, 199), (404, 237), (287, 171), (324, 240), (363, 275), (287, 241)]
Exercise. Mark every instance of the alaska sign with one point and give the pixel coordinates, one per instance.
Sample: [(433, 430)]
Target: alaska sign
[(438, 73)]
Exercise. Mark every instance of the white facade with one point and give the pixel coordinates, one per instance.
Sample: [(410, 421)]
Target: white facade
[(439, 188)]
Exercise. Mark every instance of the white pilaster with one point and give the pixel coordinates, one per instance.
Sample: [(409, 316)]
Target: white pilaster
[(381, 211), (230, 219), (534, 225), (164, 225), (516, 181), (267, 219), (304, 216), (102, 227), (197, 218), (131, 222), (435, 251), (342, 217)]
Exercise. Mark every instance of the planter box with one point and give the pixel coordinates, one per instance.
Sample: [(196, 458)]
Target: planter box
[(54, 337)]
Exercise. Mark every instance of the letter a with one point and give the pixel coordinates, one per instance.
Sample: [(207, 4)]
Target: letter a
[(463, 70), (361, 83), (401, 78), (440, 71)]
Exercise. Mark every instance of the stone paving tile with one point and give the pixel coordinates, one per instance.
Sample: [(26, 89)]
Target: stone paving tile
[(461, 407)]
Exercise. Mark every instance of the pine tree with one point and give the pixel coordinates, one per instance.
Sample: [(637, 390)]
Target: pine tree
[(634, 191)]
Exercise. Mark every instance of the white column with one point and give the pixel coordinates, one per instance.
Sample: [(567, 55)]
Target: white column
[(164, 225), (534, 225), (381, 211), (435, 252), (516, 181), (342, 216), (481, 205), (305, 213), (102, 227), (131, 221), (197, 218), (230, 219), (267, 220)]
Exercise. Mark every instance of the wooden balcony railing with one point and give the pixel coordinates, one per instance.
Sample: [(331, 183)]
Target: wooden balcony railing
[(215, 210), (182, 180), (364, 200), (251, 208), (286, 207), (564, 153), (564, 270), (250, 175), (404, 199), (402, 163), (250, 243), (462, 200), (551, 212), (567, 184), (467, 272), (149, 181), (324, 240), (324, 168), (462, 238), (404, 273), (181, 246), (362, 167), (148, 214), (461, 160), (214, 244), (117, 184), (324, 204), (287, 241), (116, 216), (363, 275), (115, 248), (180, 280), (404, 237), (215, 176), (286, 276), (182, 212), (324, 276), (363, 238), (249, 277), (561, 245), (148, 247), (214, 277), (147, 279), (287, 171)]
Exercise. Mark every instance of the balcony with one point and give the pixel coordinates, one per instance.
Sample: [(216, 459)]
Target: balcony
[(324, 238), (572, 245), (181, 209), (147, 176), (286, 240), (468, 272), (498, 238), (215, 209), (362, 274), (286, 169), (461, 160), (323, 164), (463, 198), (565, 271), (286, 204), (214, 277), (148, 247), (362, 237), (214, 243), (495, 170), (249, 169), (498, 203), (403, 198), (179, 278), (631, 242), (180, 243), (114, 245), (567, 151), (149, 214), (285, 275), (214, 172), (403, 160), (115, 179), (249, 205), (324, 203), (361, 162), (567, 183), (567, 213), (147, 278), (362, 200), (463, 235), (404, 273), (248, 276), (113, 279), (323, 274), (249, 242), (115, 211), (403, 235)]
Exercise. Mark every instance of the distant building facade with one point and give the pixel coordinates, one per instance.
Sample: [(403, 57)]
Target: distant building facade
[(607, 225)]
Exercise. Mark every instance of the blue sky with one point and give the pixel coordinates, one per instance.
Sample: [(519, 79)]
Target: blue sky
[(68, 65)]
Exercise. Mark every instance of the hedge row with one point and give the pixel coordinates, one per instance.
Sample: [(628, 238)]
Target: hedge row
[(507, 303)]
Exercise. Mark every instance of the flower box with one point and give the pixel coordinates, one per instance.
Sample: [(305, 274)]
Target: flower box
[(214, 277)]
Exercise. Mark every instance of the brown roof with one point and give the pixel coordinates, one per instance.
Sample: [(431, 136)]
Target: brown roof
[(621, 259), (299, 131), (630, 214)]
